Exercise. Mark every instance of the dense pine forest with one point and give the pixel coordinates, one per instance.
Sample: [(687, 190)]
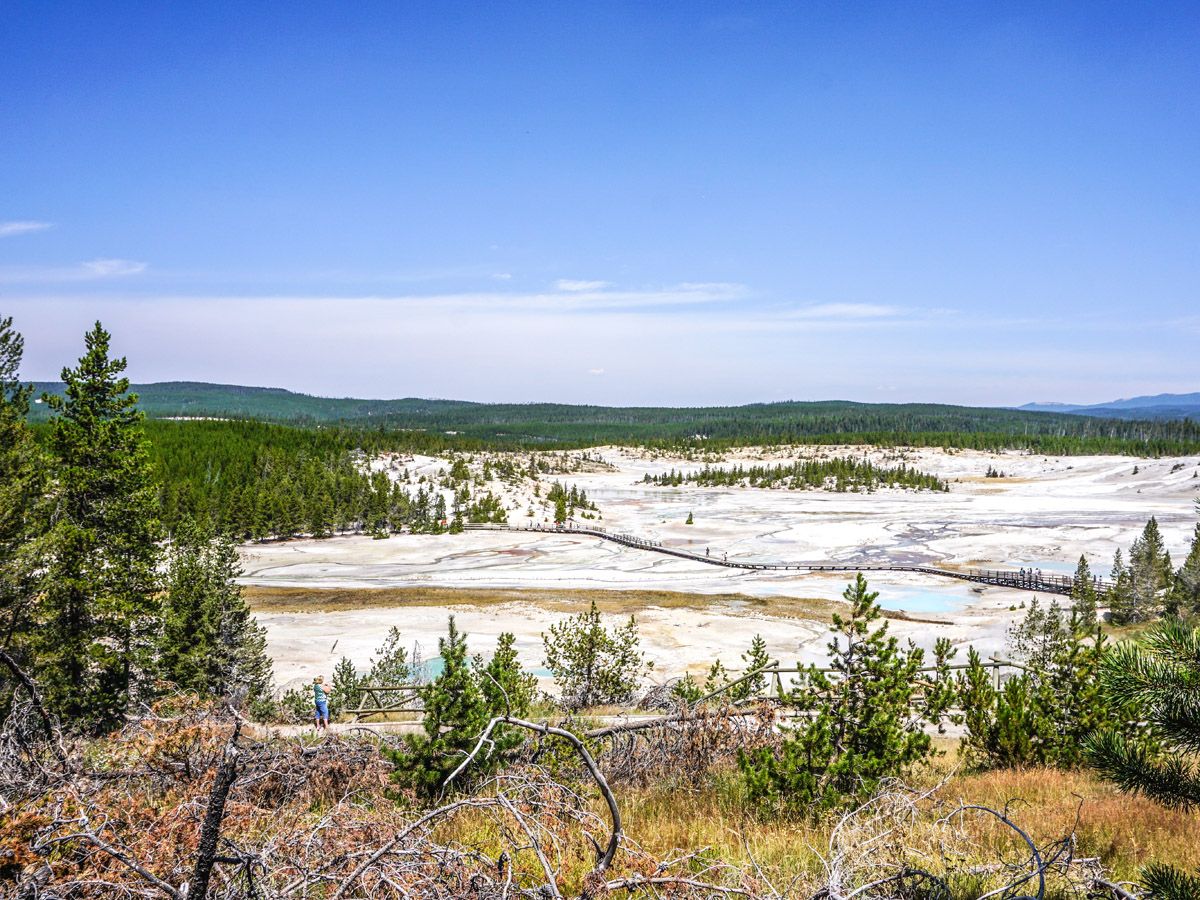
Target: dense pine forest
[(305, 473), (839, 474), (256, 480)]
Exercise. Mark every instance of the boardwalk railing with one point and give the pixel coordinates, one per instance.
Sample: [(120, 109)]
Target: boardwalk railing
[(401, 698), (1031, 579)]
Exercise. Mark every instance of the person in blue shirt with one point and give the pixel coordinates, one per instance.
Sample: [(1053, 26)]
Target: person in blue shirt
[(321, 700)]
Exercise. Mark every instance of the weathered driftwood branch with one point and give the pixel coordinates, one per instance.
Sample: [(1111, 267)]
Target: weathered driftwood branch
[(641, 882), (1035, 855), (35, 697), (659, 721), (132, 864), (1115, 889), (392, 843), (210, 831), (614, 840), (547, 870)]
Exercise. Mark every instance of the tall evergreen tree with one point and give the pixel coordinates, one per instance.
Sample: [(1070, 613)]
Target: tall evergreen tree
[(1150, 575), (1120, 594), (211, 643), (190, 625), (99, 612), (23, 513), (1083, 595)]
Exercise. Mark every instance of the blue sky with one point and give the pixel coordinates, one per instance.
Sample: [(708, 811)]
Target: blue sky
[(635, 203)]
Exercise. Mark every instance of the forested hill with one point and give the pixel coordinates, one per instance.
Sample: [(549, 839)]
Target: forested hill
[(173, 399), (540, 424)]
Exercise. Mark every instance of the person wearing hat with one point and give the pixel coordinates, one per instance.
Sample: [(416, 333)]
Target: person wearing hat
[(321, 700)]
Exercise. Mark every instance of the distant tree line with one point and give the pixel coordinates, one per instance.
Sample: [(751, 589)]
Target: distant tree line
[(462, 425), (843, 473)]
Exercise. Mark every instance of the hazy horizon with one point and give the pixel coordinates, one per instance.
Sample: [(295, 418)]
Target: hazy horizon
[(536, 400)]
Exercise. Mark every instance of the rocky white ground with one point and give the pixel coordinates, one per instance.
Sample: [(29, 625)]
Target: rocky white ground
[(1046, 513)]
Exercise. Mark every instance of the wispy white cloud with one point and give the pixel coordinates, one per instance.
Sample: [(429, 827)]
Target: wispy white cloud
[(502, 276), (1186, 323), (576, 300), (92, 270), (569, 284), (845, 311), (11, 229), (657, 346), (106, 268)]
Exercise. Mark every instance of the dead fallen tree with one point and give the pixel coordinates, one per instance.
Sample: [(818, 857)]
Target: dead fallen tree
[(184, 803), (683, 748)]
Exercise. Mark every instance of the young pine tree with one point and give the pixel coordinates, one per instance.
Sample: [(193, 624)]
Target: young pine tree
[(857, 726), (347, 688), (940, 690), (507, 689), (390, 665), (717, 678), (687, 689), (99, 611), (456, 712), (1039, 638), (1044, 715), (753, 660), (592, 665)]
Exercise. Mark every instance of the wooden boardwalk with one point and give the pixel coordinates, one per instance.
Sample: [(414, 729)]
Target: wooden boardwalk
[(1030, 579)]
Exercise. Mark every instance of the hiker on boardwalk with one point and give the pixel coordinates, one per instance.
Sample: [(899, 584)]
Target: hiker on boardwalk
[(321, 702)]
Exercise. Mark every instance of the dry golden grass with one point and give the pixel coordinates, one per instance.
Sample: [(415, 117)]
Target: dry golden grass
[(1126, 832), (1123, 832), (296, 600)]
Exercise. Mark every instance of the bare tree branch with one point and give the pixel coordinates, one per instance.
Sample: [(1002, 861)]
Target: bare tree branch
[(35, 697)]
